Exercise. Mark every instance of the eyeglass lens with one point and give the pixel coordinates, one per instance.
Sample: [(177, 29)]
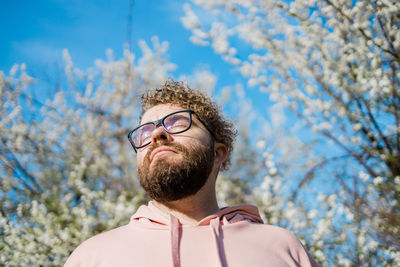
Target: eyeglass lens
[(173, 123)]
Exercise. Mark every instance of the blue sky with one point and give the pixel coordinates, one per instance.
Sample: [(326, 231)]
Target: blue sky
[(35, 32)]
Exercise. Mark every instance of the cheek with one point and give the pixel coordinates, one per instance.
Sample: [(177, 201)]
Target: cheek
[(139, 158), (194, 136)]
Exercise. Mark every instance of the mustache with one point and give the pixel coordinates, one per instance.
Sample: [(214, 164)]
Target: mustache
[(175, 146)]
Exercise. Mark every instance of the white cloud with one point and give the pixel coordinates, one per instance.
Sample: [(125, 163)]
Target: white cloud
[(37, 51)]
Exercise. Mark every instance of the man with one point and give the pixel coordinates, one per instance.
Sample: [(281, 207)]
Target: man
[(181, 144)]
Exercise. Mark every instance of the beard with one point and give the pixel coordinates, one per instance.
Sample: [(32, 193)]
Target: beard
[(170, 180)]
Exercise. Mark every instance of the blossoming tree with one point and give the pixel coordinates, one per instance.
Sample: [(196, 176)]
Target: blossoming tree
[(67, 171), (335, 64)]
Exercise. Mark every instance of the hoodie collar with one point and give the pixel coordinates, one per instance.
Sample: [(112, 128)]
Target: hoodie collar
[(153, 215)]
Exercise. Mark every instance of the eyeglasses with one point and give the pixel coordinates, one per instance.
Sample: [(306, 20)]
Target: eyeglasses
[(174, 123)]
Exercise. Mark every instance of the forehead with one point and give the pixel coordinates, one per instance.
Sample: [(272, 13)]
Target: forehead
[(159, 111)]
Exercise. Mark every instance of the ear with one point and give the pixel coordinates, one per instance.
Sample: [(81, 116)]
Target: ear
[(221, 154)]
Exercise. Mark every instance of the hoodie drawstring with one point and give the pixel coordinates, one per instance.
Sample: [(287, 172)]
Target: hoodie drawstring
[(174, 236), (154, 217), (215, 230)]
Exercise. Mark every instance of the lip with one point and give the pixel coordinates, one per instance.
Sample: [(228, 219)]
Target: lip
[(158, 150)]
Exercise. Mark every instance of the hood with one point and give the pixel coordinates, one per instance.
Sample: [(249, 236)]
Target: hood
[(152, 217)]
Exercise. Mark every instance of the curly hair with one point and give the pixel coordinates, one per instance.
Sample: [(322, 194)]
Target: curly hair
[(179, 93)]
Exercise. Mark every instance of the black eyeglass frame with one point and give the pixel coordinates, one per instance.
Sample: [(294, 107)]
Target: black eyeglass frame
[(161, 122)]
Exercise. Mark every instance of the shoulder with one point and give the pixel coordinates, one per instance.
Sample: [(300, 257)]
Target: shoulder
[(266, 239), (264, 230), (90, 249), (279, 235), (279, 232), (106, 238)]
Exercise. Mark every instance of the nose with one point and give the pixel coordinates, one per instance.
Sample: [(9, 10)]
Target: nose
[(159, 134)]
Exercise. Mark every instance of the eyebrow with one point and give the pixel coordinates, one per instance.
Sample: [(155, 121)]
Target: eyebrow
[(141, 123)]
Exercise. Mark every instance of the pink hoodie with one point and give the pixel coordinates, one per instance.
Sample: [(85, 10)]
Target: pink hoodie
[(234, 236)]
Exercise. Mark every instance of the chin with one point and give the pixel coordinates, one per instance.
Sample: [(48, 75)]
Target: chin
[(166, 159)]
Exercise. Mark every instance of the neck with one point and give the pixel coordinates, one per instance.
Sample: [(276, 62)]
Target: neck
[(193, 208)]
